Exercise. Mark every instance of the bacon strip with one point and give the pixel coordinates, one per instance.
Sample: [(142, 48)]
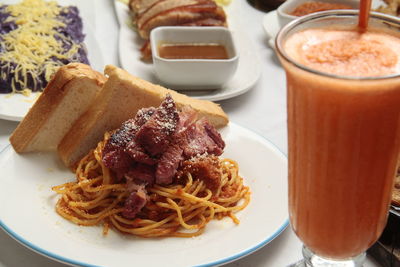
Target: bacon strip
[(149, 14), (162, 6), (180, 16)]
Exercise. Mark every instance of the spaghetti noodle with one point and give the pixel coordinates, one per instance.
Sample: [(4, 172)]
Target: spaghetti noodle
[(181, 209)]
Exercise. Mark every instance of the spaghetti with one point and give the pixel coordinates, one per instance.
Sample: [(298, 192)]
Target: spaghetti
[(181, 209)]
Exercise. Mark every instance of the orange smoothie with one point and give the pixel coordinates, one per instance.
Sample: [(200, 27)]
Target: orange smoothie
[(344, 137)]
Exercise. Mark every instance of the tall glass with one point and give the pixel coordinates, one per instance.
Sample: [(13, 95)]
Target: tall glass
[(344, 143)]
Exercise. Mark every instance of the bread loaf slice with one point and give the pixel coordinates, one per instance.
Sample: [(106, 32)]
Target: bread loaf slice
[(66, 97), (119, 100)]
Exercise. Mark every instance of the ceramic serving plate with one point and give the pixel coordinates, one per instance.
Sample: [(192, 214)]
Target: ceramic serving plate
[(27, 212), (246, 75)]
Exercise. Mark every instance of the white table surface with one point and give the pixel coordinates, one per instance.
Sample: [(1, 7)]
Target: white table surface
[(262, 109)]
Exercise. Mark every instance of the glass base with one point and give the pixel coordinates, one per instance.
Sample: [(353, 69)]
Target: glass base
[(312, 260)]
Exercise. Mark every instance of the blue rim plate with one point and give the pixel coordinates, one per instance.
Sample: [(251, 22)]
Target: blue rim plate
[(26, 183)]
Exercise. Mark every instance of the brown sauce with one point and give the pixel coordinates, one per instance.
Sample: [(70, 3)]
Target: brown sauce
[(192, 51), (312, 7)]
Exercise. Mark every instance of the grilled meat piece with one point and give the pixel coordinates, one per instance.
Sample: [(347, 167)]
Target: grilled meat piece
[(149, 14), (151, 148)]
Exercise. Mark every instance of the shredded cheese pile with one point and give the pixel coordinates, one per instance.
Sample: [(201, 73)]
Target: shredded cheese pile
[(30, 49), (124, 1)]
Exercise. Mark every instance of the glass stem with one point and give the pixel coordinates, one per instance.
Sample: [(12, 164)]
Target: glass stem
[(312, 260)]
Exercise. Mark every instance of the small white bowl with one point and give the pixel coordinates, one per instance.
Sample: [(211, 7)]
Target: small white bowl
[(289, 6), (193, 74)]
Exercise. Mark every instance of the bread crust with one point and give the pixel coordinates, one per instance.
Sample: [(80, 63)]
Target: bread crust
[(119, 100), (36, 120)]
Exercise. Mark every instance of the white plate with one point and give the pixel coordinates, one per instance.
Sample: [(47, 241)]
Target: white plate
[(27, 213), (247, 74), (15, 106), (271, 27)]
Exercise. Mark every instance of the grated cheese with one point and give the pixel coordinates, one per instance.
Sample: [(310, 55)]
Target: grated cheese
[(33, 45), (223, 2), (124, 1)]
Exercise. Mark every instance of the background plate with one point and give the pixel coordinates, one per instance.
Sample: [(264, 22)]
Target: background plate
[(247, 73), (27, 212)]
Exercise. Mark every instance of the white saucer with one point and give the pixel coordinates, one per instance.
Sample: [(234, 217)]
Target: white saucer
[(271, 23)]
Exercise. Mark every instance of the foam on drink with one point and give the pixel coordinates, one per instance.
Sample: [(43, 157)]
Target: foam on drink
[(346, 52)]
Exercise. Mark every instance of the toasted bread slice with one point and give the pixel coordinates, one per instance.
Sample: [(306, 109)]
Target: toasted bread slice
[(119, 100), (66, 97)]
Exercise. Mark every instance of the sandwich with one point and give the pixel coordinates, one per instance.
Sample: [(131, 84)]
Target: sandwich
[(119, 100), (66, 97)]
